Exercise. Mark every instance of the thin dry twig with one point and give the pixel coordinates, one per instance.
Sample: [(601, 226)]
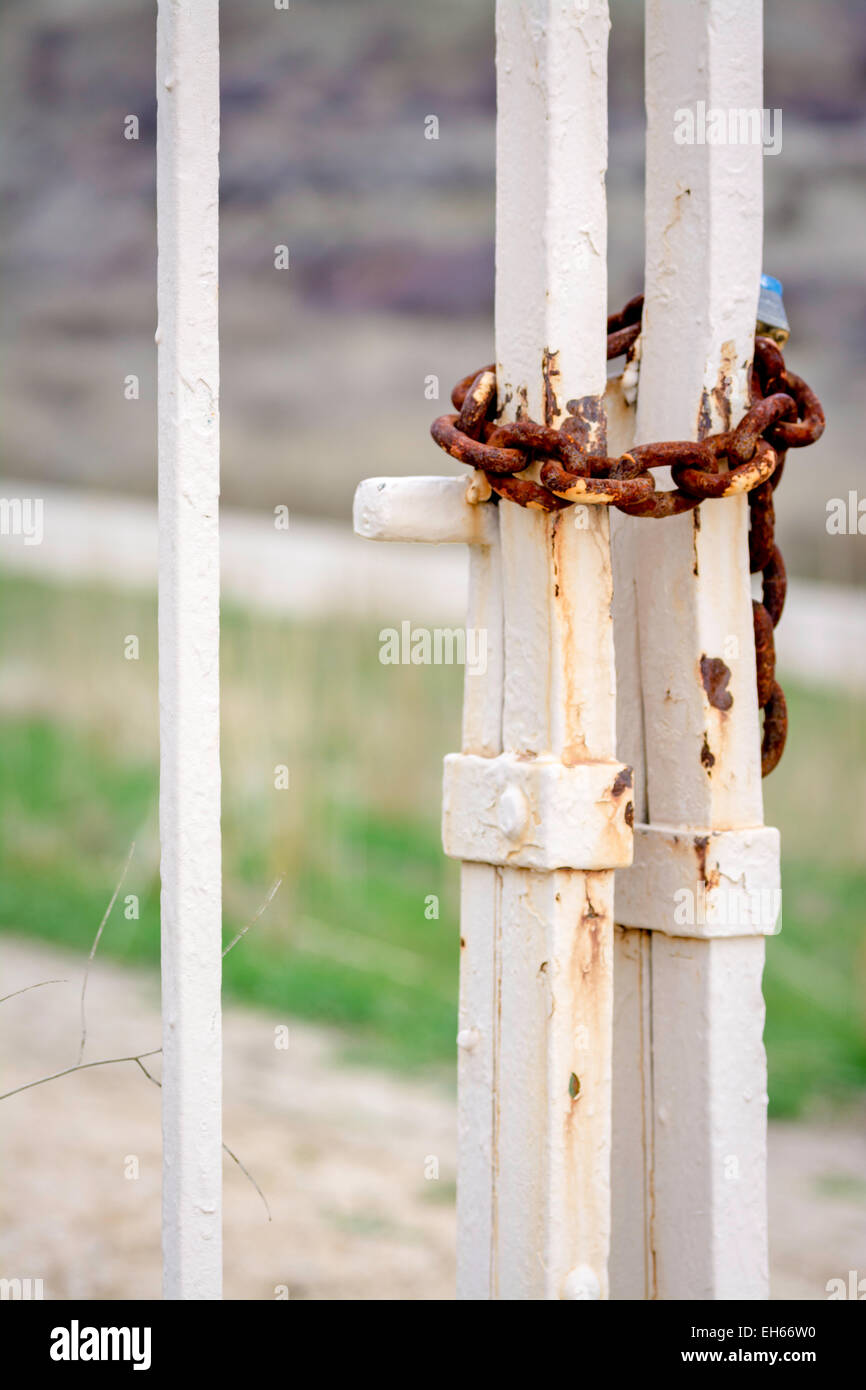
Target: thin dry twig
[(40, 984), (247, 1174), (137, 1057), (260, 913), (233, 1156), (79, 1066), (96, 940)]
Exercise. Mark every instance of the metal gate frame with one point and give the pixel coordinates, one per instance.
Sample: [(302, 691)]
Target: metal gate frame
[(612, 1080)]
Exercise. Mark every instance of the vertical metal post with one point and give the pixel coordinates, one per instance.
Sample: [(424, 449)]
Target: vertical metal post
[(553, 971), (480, 919), (698, 1114), (187, 200)]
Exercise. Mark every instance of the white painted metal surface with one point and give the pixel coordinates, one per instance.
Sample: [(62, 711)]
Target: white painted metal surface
[(536, 813), (720, 883), (187, 196), (436, 510), (703, 1149), (432, 509), (554, 970), (537, 943)]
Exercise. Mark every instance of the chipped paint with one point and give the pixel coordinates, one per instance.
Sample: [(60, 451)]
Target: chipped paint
[(721, 392), (715, 677), (549, 370), (624, 780), (586, 422)]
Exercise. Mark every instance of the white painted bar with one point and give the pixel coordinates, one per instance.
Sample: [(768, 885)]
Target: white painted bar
[(707, 1147), (631, 1145), (480, 945), (552, 1064), (187, 201), (435, 510)]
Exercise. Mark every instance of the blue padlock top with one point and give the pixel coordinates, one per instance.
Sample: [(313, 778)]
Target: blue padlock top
[(771, 309)]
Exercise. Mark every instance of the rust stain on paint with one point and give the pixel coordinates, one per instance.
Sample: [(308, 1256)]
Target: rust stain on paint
[(589, 972), (575, 749), (701, 843), (586, 421), (549, 370), (705, 419), (623, 781), (709, 879), (707, 757), (721, 392), (715, 676)]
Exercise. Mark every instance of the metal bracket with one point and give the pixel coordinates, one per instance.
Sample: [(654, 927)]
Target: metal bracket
[(711, 883), (537, 813)]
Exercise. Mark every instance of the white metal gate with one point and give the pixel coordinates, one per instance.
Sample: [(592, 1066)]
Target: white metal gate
[(612, 1100)]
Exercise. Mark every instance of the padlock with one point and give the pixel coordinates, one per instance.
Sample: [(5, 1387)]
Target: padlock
[(772, 321)]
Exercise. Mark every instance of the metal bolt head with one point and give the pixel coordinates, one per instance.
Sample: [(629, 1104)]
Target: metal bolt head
[(512, 813)]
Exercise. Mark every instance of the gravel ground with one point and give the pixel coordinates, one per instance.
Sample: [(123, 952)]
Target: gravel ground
[(339, 1151)]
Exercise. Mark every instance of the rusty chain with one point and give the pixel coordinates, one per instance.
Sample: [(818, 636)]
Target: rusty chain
[(784, 413)]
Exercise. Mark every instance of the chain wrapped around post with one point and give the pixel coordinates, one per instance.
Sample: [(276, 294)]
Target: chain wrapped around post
[(784, 413)]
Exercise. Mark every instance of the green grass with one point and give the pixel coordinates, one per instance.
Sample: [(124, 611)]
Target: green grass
[(346, 940), (349, 938)]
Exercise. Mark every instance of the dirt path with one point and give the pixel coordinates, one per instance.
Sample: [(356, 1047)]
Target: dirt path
[(340, 1153)]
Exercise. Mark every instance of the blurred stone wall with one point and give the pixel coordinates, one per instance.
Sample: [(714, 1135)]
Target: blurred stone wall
[(390, 237)]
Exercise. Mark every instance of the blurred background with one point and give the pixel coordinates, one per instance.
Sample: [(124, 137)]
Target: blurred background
[(390, 282)]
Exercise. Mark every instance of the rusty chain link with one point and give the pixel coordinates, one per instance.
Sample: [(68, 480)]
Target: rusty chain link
[(784, 413)]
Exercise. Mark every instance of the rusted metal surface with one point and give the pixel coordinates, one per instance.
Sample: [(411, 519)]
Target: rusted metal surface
[(784, 413), (771, 416), (716, 675)]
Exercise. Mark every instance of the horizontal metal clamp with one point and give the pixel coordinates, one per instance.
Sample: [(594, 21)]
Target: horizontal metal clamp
[(537, 813), (702, 883)]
